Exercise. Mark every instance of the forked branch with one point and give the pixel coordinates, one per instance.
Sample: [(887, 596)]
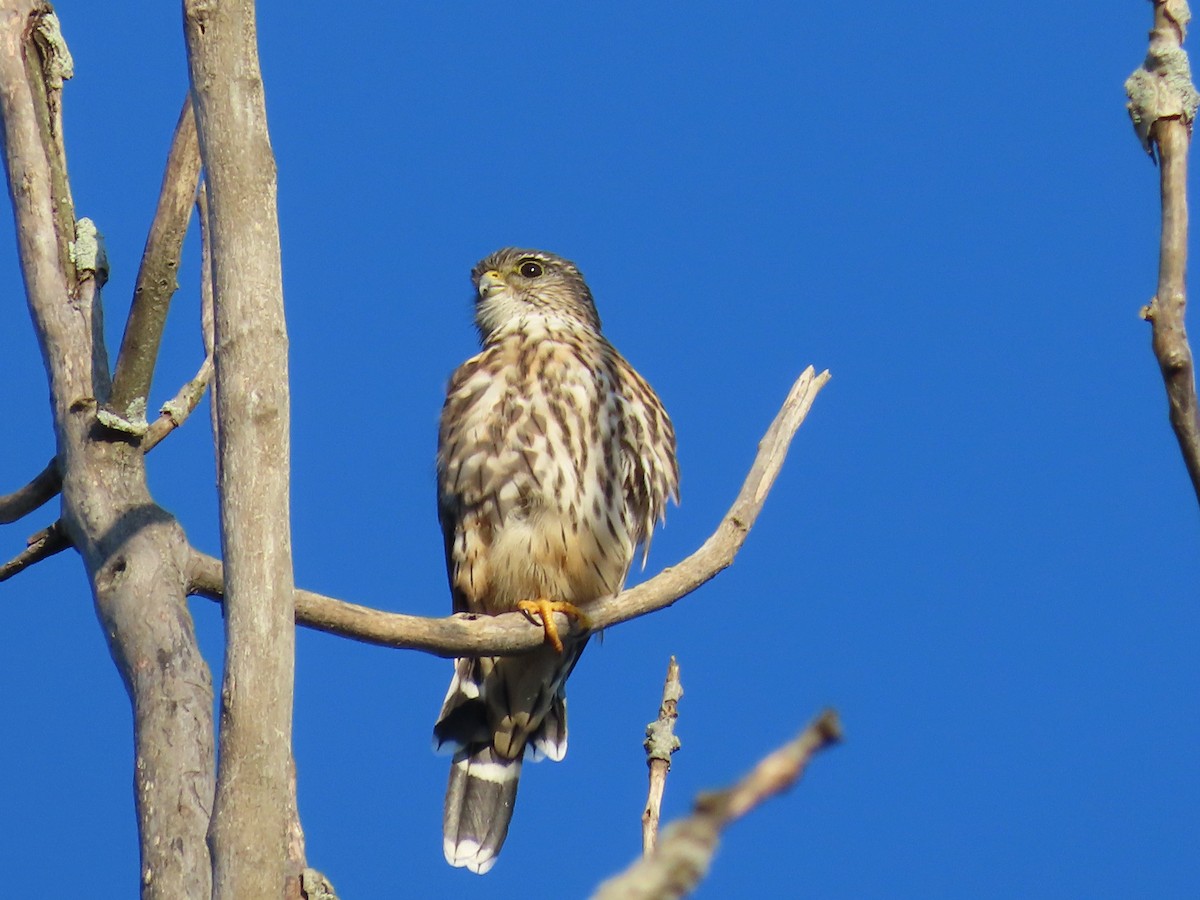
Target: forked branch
[(512, 633), (143, 331), (53, 539)]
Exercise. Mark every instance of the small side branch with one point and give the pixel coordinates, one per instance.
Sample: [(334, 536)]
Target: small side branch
[(176, 410), (660, 745), (42, 545), (512, 633), (21, 502), (1162, 104), (682, 858)]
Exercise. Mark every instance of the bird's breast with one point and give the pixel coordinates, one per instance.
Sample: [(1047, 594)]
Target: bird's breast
[(532, 450)]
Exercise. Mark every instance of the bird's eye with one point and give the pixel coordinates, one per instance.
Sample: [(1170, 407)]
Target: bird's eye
[(530, 269)]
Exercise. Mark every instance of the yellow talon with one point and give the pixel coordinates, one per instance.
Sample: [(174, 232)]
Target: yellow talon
[(544, 609)]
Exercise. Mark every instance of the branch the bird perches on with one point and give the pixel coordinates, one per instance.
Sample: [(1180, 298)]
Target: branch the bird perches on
[(512, 633)]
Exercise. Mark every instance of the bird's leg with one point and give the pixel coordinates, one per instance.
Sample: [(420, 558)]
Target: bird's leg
[(545, 609)]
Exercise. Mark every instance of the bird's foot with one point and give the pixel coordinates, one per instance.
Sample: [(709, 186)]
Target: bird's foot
[(545, 609)]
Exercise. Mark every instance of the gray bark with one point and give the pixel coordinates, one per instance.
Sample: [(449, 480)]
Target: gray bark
[(249, 834)]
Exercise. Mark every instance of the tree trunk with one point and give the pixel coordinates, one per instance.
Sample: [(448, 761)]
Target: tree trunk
[(250, 825)]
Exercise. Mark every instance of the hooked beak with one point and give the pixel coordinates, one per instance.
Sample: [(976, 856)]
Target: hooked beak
[(490, 282)]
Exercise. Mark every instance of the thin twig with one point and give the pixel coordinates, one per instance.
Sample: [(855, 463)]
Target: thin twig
[(512, 633), (1162, 104), (660, 744), (683, 856), (50, 540), (176, 410)]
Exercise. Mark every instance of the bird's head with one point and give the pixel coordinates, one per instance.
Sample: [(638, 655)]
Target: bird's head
[(516, 288)]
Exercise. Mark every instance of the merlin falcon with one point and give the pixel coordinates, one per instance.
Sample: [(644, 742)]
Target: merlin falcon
[(555, 461)]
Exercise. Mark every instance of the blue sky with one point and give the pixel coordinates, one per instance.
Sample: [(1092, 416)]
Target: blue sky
[(982, 550)]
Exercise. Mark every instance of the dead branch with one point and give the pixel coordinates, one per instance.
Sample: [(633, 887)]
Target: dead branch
[(1162, 104), (156, 282), (249, 832), (660, 745), (41, 545), (176, 410), (513, 633), (21, 502), (683, 856)]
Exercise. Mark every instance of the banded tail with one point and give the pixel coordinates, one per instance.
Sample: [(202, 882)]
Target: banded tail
[(479, 806), (492, 718)]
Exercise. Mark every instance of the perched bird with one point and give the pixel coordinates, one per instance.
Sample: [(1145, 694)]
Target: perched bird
[(555, 461)]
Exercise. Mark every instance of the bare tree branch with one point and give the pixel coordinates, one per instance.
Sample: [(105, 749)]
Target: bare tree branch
[(683, 856), (41, 545), (249, 833), (156, 282), (1162, 104), (176, 410), (132, 550), (660, 744), (513, 633), (21, 502)]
